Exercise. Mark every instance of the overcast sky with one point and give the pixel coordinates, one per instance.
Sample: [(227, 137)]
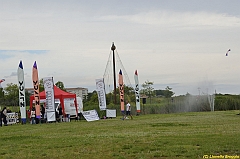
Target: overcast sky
[(180, 44)]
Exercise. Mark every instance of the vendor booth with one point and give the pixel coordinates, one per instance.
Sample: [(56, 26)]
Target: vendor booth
[(58, 94)]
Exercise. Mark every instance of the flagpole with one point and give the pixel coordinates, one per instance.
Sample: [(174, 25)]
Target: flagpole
[(114, 74)]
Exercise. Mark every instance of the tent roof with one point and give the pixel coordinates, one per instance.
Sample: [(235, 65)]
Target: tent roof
[(57, 93)]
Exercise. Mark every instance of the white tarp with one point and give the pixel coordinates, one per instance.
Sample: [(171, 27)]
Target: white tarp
[(101, 94), (91, 115), (111, 113), (69, 106), (50, 106)]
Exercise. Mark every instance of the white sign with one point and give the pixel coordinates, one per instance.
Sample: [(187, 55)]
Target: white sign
[(111, 113), (69, 106), (12, 118), (50, 107), (101, 94), (90, 115)]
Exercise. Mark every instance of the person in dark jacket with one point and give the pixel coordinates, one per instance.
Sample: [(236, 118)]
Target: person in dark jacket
[(4, 116), (0, 119), (60, 113)]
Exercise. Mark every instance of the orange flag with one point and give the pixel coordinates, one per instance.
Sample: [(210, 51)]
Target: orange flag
[(36, 89), (121, 91)]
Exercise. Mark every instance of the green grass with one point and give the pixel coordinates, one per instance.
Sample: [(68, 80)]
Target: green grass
[(183, 135)]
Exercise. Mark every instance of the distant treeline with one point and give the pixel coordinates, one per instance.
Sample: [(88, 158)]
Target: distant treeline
[(184, 103)]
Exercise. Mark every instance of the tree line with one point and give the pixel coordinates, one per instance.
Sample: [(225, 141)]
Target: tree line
[(9, 96)]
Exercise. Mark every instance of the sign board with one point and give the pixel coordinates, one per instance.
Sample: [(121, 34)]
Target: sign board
[(90, 115), (12, 118), (111, 113)]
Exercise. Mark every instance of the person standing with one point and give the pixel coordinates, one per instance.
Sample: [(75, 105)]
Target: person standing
[(4, 116), (128, 110), (0, 118), (60, 113), (33, 115), (42, 111)]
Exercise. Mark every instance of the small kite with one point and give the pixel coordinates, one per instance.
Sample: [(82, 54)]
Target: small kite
[(2, 80), (227, 52)]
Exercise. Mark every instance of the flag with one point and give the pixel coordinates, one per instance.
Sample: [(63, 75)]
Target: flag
[(137, 94), (50, 106), (36, 89), (101, 94), (121, 90), (2, 80), (21, 87)]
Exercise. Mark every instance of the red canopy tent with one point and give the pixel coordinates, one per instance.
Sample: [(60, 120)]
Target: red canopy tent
[(58, 94)]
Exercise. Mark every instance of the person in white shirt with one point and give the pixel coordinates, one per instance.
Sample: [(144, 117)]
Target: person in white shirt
[(128, 110)]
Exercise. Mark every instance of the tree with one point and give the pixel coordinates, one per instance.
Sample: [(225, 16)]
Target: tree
[(1, 96), (168, 93), (11, 94), (148, 89), (159, 92), (41, 85), (60, 85)]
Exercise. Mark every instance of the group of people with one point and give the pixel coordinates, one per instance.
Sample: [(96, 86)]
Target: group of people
[(32, 114), (3, 117), (58, 112)]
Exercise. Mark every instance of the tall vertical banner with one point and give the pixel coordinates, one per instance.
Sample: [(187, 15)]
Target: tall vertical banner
[(21, 87), (121, 90), (101, 94), (49, 90), (137, 95), (36, 89)]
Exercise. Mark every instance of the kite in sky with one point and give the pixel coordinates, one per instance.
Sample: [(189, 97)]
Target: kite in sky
[(2, 80), (227, 52)]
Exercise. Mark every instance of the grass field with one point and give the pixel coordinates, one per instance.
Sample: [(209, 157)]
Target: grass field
[(183, 135)]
